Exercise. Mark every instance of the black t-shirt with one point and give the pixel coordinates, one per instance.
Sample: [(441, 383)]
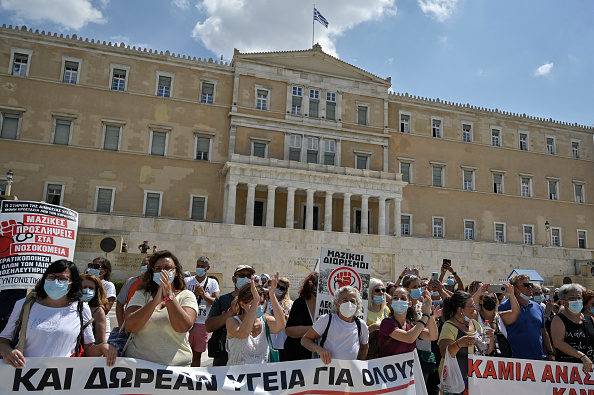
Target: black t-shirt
[(298, 316), (221, 304)]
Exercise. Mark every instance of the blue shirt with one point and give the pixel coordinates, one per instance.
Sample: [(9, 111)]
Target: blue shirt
[(525, 334)]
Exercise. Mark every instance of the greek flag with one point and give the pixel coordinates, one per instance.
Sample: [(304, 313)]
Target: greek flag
[(318, 17)]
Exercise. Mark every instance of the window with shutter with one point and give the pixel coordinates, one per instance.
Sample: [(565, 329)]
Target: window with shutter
[(207, 93), (362, 115), (152, 204), (437, 176), (104, 196), (10, 126), (164, 89), (112, 138), (468, 184), (158, 143), (497, 183), (198, 208), (202, 148), (62, 132), (259, 150), (405, 171), (362, 162)]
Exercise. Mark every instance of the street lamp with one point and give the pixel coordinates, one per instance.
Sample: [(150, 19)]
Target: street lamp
[(9, 176), (548, 228)]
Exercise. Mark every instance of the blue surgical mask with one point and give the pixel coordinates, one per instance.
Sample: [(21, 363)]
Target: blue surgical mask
[(415, 293), (200, 271), (242, 281), (434, 293), (422, 289), (157, 277), (527, 298), (399, 306), (143, 269), (314, 292), (451, 281), (575, 306), (466, 319), (94, 272), (55, 289), (260, 311), (378, 299), (591, 310), (547, 297), (88, 294), (539, 299)]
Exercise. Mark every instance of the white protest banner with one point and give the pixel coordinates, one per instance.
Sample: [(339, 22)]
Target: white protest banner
[(400, 374), (32, 235), (496, 376), (337, 269)]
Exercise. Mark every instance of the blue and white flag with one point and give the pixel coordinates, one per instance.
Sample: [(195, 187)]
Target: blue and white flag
[(318, 17)]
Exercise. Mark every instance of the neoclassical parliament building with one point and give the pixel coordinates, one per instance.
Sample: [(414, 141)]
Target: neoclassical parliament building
[(292, 141)]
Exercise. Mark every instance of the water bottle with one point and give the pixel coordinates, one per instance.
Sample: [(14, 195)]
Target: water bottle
[(486, 327)]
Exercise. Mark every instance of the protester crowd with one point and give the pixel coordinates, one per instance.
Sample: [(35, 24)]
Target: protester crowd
[(171, 319)]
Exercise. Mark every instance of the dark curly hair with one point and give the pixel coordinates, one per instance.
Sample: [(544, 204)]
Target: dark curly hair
[(147, 282), (59, 266), (307, 287)]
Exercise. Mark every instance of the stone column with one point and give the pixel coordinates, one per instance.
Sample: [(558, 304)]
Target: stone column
[(249, 205), (364, 214), (231, 198), (290, 208), (309, 209), (381, 226), (328, 212), (397, 219), (270, 206), (346, 213)]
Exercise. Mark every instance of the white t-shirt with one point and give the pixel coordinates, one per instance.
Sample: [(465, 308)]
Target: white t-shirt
[(203, 307), (51, 331), (110, 291), (342, 336)]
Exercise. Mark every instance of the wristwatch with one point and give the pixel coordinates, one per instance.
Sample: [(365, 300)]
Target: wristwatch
[(170, 297)]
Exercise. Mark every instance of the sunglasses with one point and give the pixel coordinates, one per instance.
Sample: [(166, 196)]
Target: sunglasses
[(281, 288), (243, 275), (527, 285), (379, 290), (94, 266)]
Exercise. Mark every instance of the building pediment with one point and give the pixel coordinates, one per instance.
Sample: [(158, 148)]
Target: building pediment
[(313, 61)]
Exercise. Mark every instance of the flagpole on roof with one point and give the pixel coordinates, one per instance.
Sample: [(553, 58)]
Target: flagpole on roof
[(313, 26)]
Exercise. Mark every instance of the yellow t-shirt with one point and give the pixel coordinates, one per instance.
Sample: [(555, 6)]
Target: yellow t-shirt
[(449, 331), (373, 318), (157, 341)]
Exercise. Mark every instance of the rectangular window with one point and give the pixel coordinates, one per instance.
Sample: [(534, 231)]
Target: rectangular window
[(578, 190), (261, 99), (202, 148), (10, 126), (330, 152), (104, 200), (523, 142), (54, 193), (207, 94), (437, 172), (582, 240), (198, 209), (550, 146), (314, 103), (468, 180), (362, 114), (118, 80), (468, 230), (312, 150), (259, 149), (164, 86), (495, 134), (111, 140), (553, 190), (575, 149), (526, 187), (437, 227), (62, 132), (499, 232), (158, 143), (467, 133), (331, 106), (556, 237), (362, 162), (405, 228), (528, 234), (497, 183), (405, 171), (152, 205), (436, 128), (404, 123), (70, 72), (296, 100), (20, 62), (295, 148)]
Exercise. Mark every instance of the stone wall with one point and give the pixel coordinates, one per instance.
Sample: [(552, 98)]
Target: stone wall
[(293, 252)]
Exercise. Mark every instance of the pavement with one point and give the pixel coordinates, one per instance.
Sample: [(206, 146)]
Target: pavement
[(205, 361)]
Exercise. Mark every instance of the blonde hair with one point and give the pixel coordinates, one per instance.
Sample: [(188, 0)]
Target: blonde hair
[(100, 297), (285, 302), (374, 282)]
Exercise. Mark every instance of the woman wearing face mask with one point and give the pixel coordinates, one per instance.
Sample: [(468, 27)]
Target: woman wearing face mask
[(94, 294), (487, 308), (573, 332), (301, 319), (101, 267), (399, 333), (588, 300), (54, 320), (282, 294), (246, 332), (161, 313), (377, 310), (347, 336)]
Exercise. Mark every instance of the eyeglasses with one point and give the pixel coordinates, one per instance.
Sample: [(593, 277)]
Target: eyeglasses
[(61, 279), (470, 307), (95, 266), (281, 288), (160, 269), (243, 275), (528, 285), (379, 290)]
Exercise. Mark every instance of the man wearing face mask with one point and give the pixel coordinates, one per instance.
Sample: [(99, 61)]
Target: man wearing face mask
[(223, 307), (206, 290), (527, 335), (344, 336)]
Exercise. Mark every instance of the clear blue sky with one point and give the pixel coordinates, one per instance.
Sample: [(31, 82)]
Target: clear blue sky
[(523, 56)]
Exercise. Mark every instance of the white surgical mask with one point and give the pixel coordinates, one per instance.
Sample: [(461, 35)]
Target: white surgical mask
[(348, 309), (278, 293)]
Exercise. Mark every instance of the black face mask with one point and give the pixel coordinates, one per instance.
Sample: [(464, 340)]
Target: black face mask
[(489, 304)]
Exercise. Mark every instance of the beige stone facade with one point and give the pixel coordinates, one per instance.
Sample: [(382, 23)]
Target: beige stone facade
[(285, 140)]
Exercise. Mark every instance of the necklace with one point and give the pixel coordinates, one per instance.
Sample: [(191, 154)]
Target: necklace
[(462, 323)]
